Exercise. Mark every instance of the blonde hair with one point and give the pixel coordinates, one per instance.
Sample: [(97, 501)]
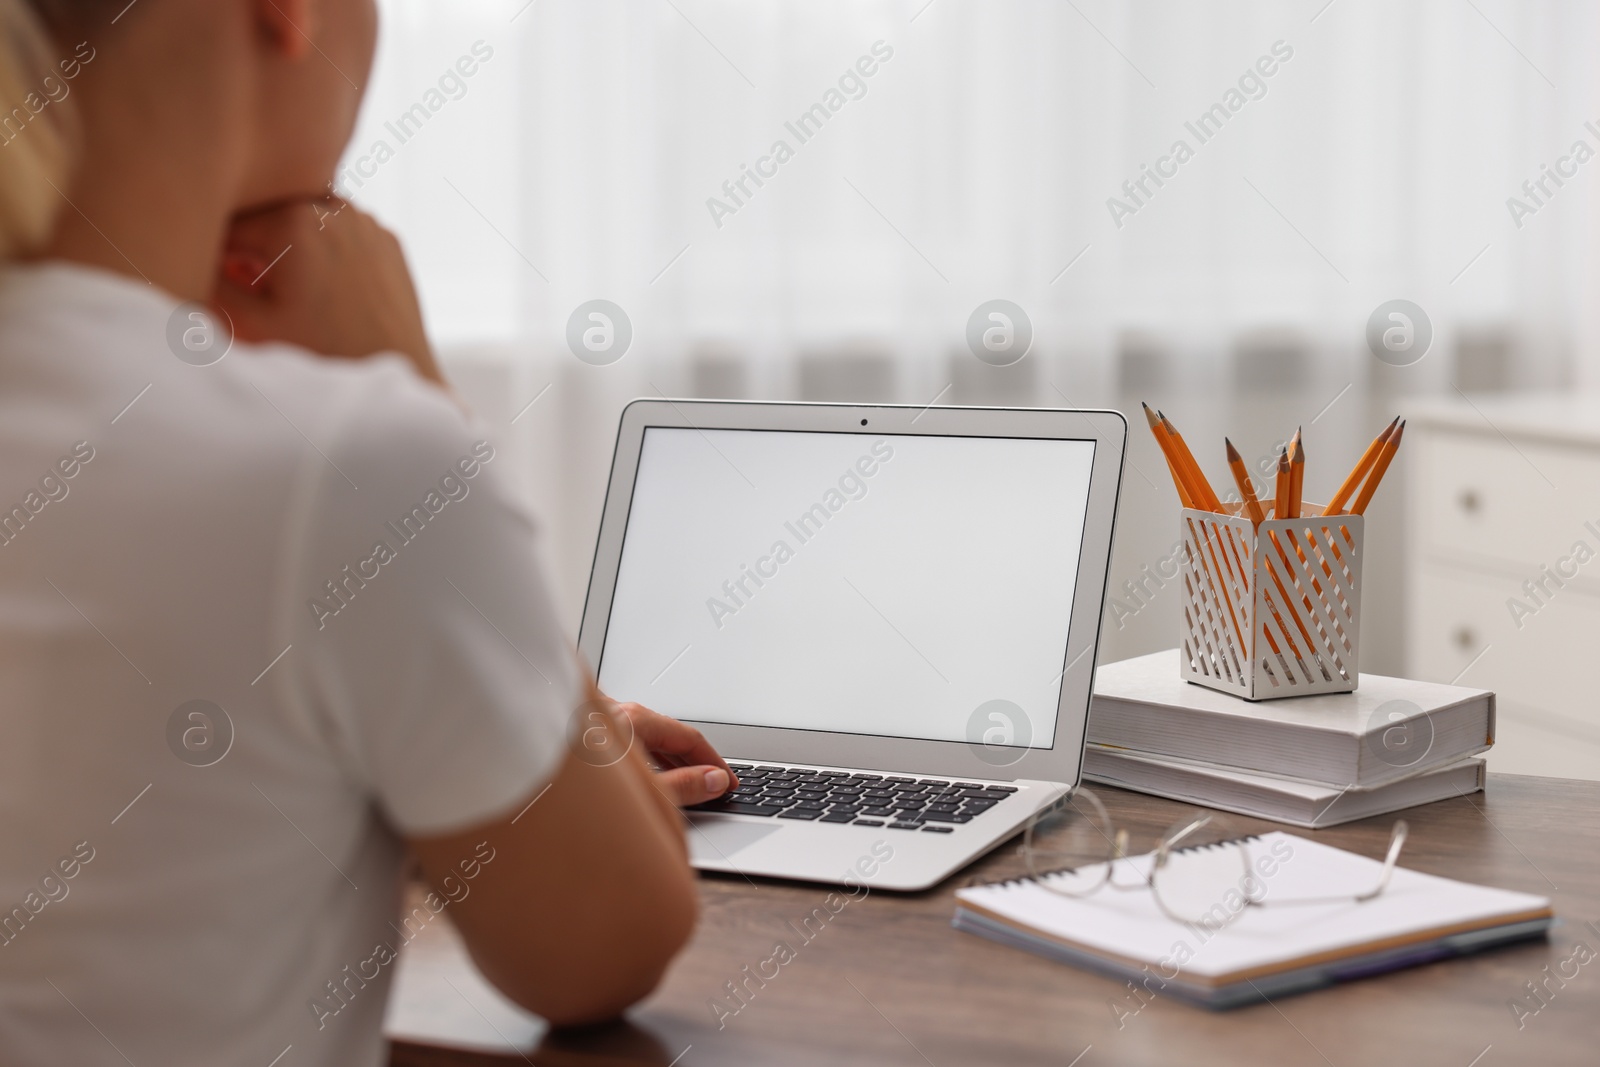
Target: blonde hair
[(34, 147)]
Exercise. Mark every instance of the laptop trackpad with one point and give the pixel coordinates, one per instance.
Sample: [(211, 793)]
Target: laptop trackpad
[(716, 837)]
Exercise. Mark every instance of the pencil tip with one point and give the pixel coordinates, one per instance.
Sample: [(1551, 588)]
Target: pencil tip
[(1149, 416), (1233, 453)]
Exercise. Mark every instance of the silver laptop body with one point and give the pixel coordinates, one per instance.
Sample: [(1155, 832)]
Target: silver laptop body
[(884, 616)]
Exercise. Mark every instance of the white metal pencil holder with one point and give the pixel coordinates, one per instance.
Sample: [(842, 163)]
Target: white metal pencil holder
[(1273, 611)]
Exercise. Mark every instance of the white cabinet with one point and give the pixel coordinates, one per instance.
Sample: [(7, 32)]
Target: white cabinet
[(1503, 569)]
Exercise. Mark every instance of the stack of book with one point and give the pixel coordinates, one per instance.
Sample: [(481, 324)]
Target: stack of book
[(1309, 761)]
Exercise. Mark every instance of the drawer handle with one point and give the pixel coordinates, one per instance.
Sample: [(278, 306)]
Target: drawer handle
[(1470, 501), (1465, 639)]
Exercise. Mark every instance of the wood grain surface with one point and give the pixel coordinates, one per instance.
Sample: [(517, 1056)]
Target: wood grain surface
[(887, 981)]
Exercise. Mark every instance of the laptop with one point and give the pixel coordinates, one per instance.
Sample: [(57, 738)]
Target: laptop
[(885, 617)]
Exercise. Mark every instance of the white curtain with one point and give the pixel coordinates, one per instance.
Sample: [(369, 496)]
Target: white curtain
[(977, 162)]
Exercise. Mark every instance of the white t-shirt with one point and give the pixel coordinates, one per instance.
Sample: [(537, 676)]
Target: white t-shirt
[(325, 550)]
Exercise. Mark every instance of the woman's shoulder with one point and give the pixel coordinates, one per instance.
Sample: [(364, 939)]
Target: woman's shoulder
[(84, 342), (377, 409)]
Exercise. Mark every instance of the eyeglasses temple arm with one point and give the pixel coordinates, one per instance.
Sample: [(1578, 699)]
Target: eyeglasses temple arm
[(1176, 840), (1397, 841)]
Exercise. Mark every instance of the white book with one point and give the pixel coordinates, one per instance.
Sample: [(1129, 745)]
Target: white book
[(1388, 729), (1309, 804), (1267, 951)]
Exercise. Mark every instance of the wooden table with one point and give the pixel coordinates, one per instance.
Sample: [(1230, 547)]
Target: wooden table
[(888, 981)]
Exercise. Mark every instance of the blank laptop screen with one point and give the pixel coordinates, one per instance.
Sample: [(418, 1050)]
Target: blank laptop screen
[(853, 583)]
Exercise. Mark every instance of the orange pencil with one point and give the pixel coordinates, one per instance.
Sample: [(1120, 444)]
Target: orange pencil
[(1280, 495), (1297, 475), (1184, 496), (1204, 496), (1385, 457), (1363, 466), (1185, 478), (1283, 495), (1247, 489)]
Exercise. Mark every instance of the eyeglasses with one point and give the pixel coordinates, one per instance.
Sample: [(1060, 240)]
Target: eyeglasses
[(1203, 872)]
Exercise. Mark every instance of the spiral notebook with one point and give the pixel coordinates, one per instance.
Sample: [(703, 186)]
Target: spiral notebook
[(439, 998), (1267, 951)]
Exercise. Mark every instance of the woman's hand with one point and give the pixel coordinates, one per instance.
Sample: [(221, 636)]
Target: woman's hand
[(690, 771), (325, 276)]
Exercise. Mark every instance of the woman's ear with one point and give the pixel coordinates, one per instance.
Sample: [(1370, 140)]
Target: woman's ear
[(288, 25)]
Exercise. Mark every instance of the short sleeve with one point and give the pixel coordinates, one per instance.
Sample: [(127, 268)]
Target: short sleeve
[(425, 644)]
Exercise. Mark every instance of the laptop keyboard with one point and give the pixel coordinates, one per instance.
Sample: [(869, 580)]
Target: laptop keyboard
[(934, 805)]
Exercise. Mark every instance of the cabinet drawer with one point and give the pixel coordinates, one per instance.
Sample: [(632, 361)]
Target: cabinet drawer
[(1546, 663), (1481, 497)]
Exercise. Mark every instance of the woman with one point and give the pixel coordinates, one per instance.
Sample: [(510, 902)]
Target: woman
[(270, 620)]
